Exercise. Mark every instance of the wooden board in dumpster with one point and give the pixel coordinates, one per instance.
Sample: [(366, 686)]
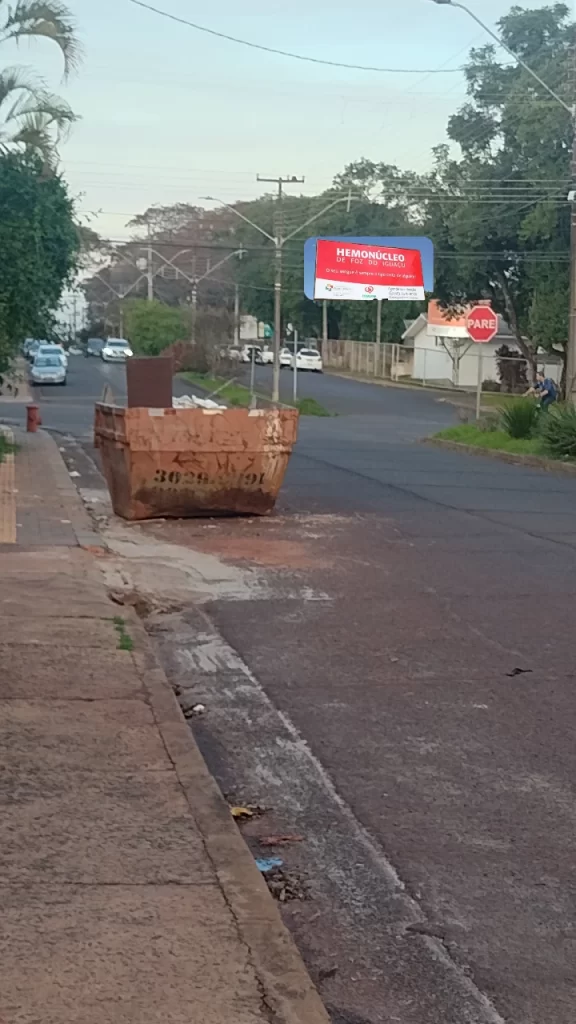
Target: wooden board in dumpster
[(194, 462)]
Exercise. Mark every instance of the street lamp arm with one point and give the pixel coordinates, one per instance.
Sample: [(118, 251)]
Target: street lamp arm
[(219, 264), (214, 199), (522, 63), (341, 199)]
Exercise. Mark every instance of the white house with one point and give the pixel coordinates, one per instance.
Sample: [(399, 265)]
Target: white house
[(448, 355)]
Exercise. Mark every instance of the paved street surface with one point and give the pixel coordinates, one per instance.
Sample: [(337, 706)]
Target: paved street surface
[(409, 710), (127, 895)]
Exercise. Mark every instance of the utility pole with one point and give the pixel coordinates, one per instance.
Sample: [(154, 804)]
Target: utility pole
[(279, 242), (149, 267), (278, 246), (194, 301), (571, 350), (236, 314)]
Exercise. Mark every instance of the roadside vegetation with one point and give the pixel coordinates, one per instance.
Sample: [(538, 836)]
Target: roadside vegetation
[(6, 447), (522, 429), (231, 393)]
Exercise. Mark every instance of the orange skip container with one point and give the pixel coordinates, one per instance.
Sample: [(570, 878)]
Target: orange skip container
[(194, 462)]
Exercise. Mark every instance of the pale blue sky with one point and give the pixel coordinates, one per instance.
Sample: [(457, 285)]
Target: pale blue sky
[(169, 114)]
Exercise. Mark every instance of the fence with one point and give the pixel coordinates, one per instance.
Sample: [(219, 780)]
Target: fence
[(461, 368)]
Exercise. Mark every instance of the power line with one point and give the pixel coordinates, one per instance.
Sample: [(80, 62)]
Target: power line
[(287, 53)]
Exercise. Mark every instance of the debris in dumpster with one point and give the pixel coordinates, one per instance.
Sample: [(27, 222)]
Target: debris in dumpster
[(193, 402), (280, 840)]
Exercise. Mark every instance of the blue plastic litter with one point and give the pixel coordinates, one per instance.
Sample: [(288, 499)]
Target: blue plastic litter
[(265, 864)]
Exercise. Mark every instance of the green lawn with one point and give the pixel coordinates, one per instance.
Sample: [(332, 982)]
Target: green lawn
[(6, 447), (495, 440), (237, 395)]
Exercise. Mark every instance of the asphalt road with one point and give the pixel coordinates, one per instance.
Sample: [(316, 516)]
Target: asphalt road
[(426, 664)]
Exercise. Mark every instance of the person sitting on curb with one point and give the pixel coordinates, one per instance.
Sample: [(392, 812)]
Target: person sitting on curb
[(545, 389)]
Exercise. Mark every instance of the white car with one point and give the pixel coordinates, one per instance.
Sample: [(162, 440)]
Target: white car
[(308, 359), (48, 348), (286, 356), (116, 350), (265, 357)]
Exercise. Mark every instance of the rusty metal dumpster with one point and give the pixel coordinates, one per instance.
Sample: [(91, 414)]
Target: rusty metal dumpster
[(194, 462)]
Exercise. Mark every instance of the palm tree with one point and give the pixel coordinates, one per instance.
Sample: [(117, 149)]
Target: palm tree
[(36, 19), (31, 117)]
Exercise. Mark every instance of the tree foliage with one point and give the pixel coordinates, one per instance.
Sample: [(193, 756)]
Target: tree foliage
[(152, 326), (33, 119), (39, 247)]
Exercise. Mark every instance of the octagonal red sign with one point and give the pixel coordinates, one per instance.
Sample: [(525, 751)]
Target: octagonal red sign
[(482, 323)]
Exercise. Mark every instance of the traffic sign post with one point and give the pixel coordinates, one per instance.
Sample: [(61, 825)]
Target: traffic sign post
[(482, 324)]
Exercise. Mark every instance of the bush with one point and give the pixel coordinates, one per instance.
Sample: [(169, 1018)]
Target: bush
[(520, 418), (558, 431), (489, 422)]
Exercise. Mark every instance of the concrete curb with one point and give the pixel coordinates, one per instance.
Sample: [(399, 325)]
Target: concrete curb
[(532, 461), (82, 525), (287, 989), (288, 994)]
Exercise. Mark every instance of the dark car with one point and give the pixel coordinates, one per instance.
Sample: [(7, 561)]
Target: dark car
[(94, 347)]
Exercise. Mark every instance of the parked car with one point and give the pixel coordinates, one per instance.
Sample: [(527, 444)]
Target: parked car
[(94, 347), (50, 348), (48, 369), (308, 359), (286, 356), (265, 357), (246, 354), (32, 349), (232, 352), (116, 350)]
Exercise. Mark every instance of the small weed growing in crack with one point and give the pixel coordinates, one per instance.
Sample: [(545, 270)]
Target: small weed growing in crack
[(125, 641)]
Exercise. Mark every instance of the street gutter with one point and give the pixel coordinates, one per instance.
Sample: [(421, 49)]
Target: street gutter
[(516, 459)]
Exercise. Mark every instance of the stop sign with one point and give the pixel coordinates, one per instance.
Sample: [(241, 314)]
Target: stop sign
[(482, 323)]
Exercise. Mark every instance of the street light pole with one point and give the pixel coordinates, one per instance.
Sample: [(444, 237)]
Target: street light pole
[(571, 109), (279, 241), (278, 246)]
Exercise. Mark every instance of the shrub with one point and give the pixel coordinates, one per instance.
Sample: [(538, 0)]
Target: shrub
[(511, 370), (558, 431), (520, 418), (489, 422)]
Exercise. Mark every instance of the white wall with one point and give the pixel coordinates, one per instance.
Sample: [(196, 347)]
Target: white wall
[(433, 363)]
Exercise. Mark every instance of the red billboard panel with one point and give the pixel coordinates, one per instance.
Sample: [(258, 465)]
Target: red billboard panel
[(350, 270)]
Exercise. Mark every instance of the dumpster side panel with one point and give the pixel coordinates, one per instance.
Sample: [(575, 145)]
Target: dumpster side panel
[(193, 462)]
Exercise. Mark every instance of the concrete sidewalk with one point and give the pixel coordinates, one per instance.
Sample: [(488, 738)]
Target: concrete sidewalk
[(127, 893)]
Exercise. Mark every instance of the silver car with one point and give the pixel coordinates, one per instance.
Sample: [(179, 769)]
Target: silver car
[(116, 350), (48, 369)]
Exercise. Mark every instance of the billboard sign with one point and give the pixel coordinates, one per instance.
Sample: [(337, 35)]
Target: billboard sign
[(444, 323), (364, 268)]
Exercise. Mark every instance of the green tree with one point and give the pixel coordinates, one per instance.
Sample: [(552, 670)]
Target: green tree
[(499, 214), (152, 326), (39, 245), (31, 117)]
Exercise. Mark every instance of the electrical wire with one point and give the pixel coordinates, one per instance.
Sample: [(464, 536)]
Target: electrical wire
[(287, 53)]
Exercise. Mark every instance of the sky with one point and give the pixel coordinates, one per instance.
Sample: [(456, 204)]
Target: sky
[(169, 114)]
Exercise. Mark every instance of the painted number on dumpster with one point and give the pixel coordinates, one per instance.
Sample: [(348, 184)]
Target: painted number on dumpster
[(175, 479)]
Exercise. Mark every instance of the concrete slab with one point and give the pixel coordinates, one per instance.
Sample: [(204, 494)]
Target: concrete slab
[(117, 735), (103, 828), (44, 672), (124, 955), (33, 598), (69, 632)]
